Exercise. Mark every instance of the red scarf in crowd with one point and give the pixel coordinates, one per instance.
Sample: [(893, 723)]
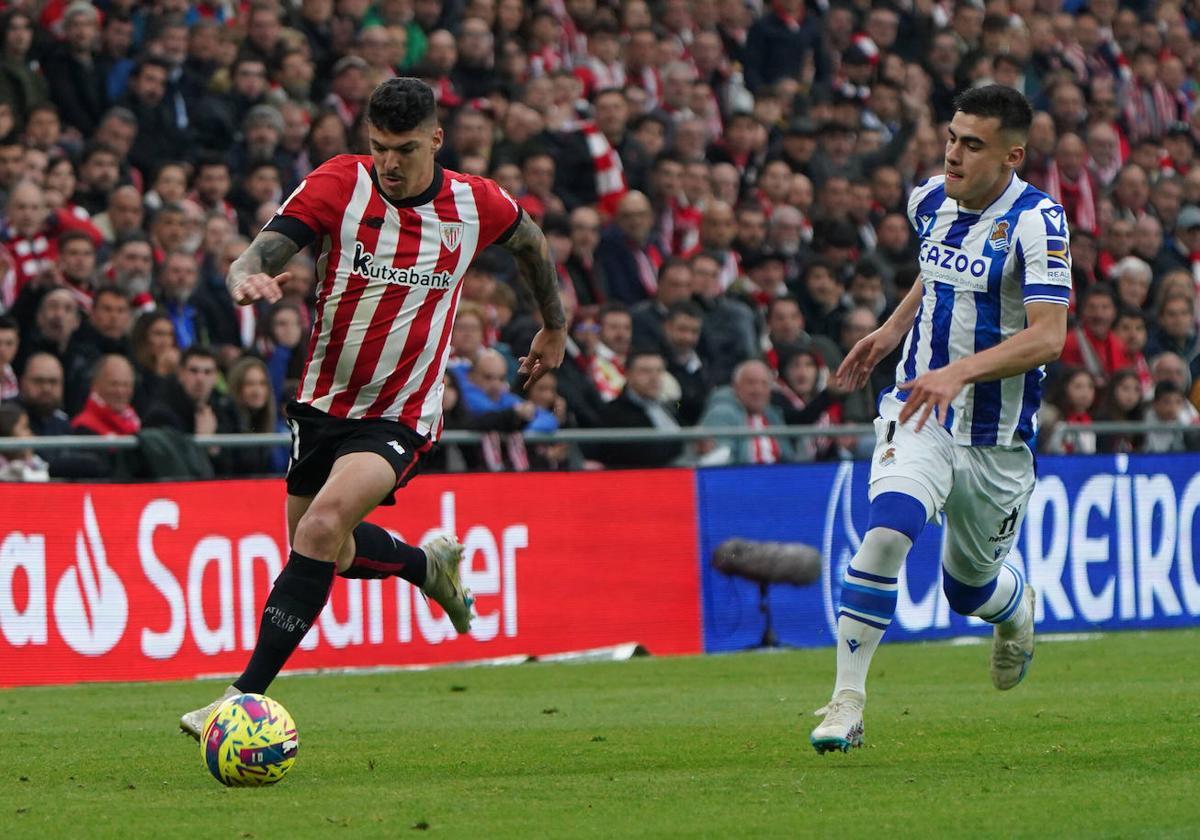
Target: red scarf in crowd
[(610, 177), (1077, 198), (765, 449), (99, 417)]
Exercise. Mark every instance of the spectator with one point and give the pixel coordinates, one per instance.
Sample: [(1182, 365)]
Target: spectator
[(747, 404), (785, 42), (53, 329), (105, 332), (587, 277), (486, 392), (1131, 331), (193, 406), (99, 174), (255, 406), (718, 227), (1175, 328), (821, 299), (73, 70), (803, 397), (1092, 345), (109, 409), (638, 406), (1122, 402), (177, 282), (21, 82), (1169, 410), (283, 348), (649, 316), (785, 332), (628, 254), (30, 235), (607, 365), (23, 464), (551, 457), (123, 214), (1073, 403), (1069, 182), (728, 336), (10, 341), (691, 378), (159, 135), (131, 269), (155, 357), (1131, 278)]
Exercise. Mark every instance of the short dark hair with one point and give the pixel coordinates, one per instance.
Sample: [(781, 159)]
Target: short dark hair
[(1166, 388), (1098, 290), (7, 322), (151, 61), (774, 304), (1128, 313), (109, 291), (196, 351), (641, 353), (671, 263), (684, 308), (132, 237), (97, 148), (401, 104), (74, 235), (613, 306), (1003, 103)]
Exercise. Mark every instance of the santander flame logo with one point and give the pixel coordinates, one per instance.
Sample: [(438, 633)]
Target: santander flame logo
[(90, 605)]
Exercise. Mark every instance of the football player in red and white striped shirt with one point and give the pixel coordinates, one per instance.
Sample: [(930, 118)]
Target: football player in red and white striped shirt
[(396, 232)]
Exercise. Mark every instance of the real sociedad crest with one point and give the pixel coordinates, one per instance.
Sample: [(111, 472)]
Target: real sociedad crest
[(452, 234), (999, 235)]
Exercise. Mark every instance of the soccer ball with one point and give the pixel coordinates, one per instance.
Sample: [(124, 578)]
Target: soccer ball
[(248, 741)]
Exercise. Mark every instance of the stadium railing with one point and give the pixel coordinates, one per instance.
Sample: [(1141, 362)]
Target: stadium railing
[(86, 442)]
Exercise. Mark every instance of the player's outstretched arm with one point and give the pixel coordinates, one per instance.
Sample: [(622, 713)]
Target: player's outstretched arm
[(852, 373), (529, 247), (255, 275), (1040, 343)]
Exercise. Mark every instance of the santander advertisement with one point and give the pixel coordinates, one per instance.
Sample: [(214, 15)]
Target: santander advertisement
[(163, 581)]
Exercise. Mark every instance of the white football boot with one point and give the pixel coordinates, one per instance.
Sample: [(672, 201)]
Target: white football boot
[(442, 582), (1012, 653), (842, 727), (193, 722)]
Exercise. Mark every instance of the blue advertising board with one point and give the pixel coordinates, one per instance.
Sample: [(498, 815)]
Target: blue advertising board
[(1107, 541)]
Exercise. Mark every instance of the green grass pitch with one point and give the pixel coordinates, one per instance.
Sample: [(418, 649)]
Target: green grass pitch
[(1102, 740)]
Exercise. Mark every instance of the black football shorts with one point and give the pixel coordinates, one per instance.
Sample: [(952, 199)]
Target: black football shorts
[(319, 439)]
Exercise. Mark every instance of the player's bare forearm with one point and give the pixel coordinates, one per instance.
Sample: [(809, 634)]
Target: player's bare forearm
[(255, 275), (267, 254), (901, 320), (531, 251), (1040, 343)]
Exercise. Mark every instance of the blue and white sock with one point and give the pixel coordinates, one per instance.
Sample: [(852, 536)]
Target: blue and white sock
[(1000, 601), (868, 604)]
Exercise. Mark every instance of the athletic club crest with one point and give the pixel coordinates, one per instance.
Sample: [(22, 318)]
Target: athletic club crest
[(452, 233), (999, 235)]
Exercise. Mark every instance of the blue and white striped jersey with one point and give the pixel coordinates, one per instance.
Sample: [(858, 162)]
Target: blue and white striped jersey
[(978, 271)]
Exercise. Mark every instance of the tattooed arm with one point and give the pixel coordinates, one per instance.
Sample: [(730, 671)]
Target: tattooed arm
[(528, 246), (255, 275)]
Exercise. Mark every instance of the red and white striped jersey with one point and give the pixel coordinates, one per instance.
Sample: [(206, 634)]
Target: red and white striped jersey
[(389, 285)]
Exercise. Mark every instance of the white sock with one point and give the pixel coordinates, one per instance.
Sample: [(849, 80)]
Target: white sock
[(868, 604), (1006, 607)]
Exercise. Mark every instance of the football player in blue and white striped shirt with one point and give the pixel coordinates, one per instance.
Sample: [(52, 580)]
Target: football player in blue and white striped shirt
[(988, 311)]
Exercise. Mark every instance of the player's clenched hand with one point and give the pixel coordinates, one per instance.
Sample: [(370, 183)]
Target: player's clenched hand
[(254, 287), (545, 354), (852, 373), (930, 392)]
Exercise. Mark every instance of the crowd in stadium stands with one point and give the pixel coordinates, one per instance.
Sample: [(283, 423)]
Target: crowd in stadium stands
[(723, 184)]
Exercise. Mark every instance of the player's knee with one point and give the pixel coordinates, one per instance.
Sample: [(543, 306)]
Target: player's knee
[(321, 533), (964, 598), (886, 546), (898, 512)]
